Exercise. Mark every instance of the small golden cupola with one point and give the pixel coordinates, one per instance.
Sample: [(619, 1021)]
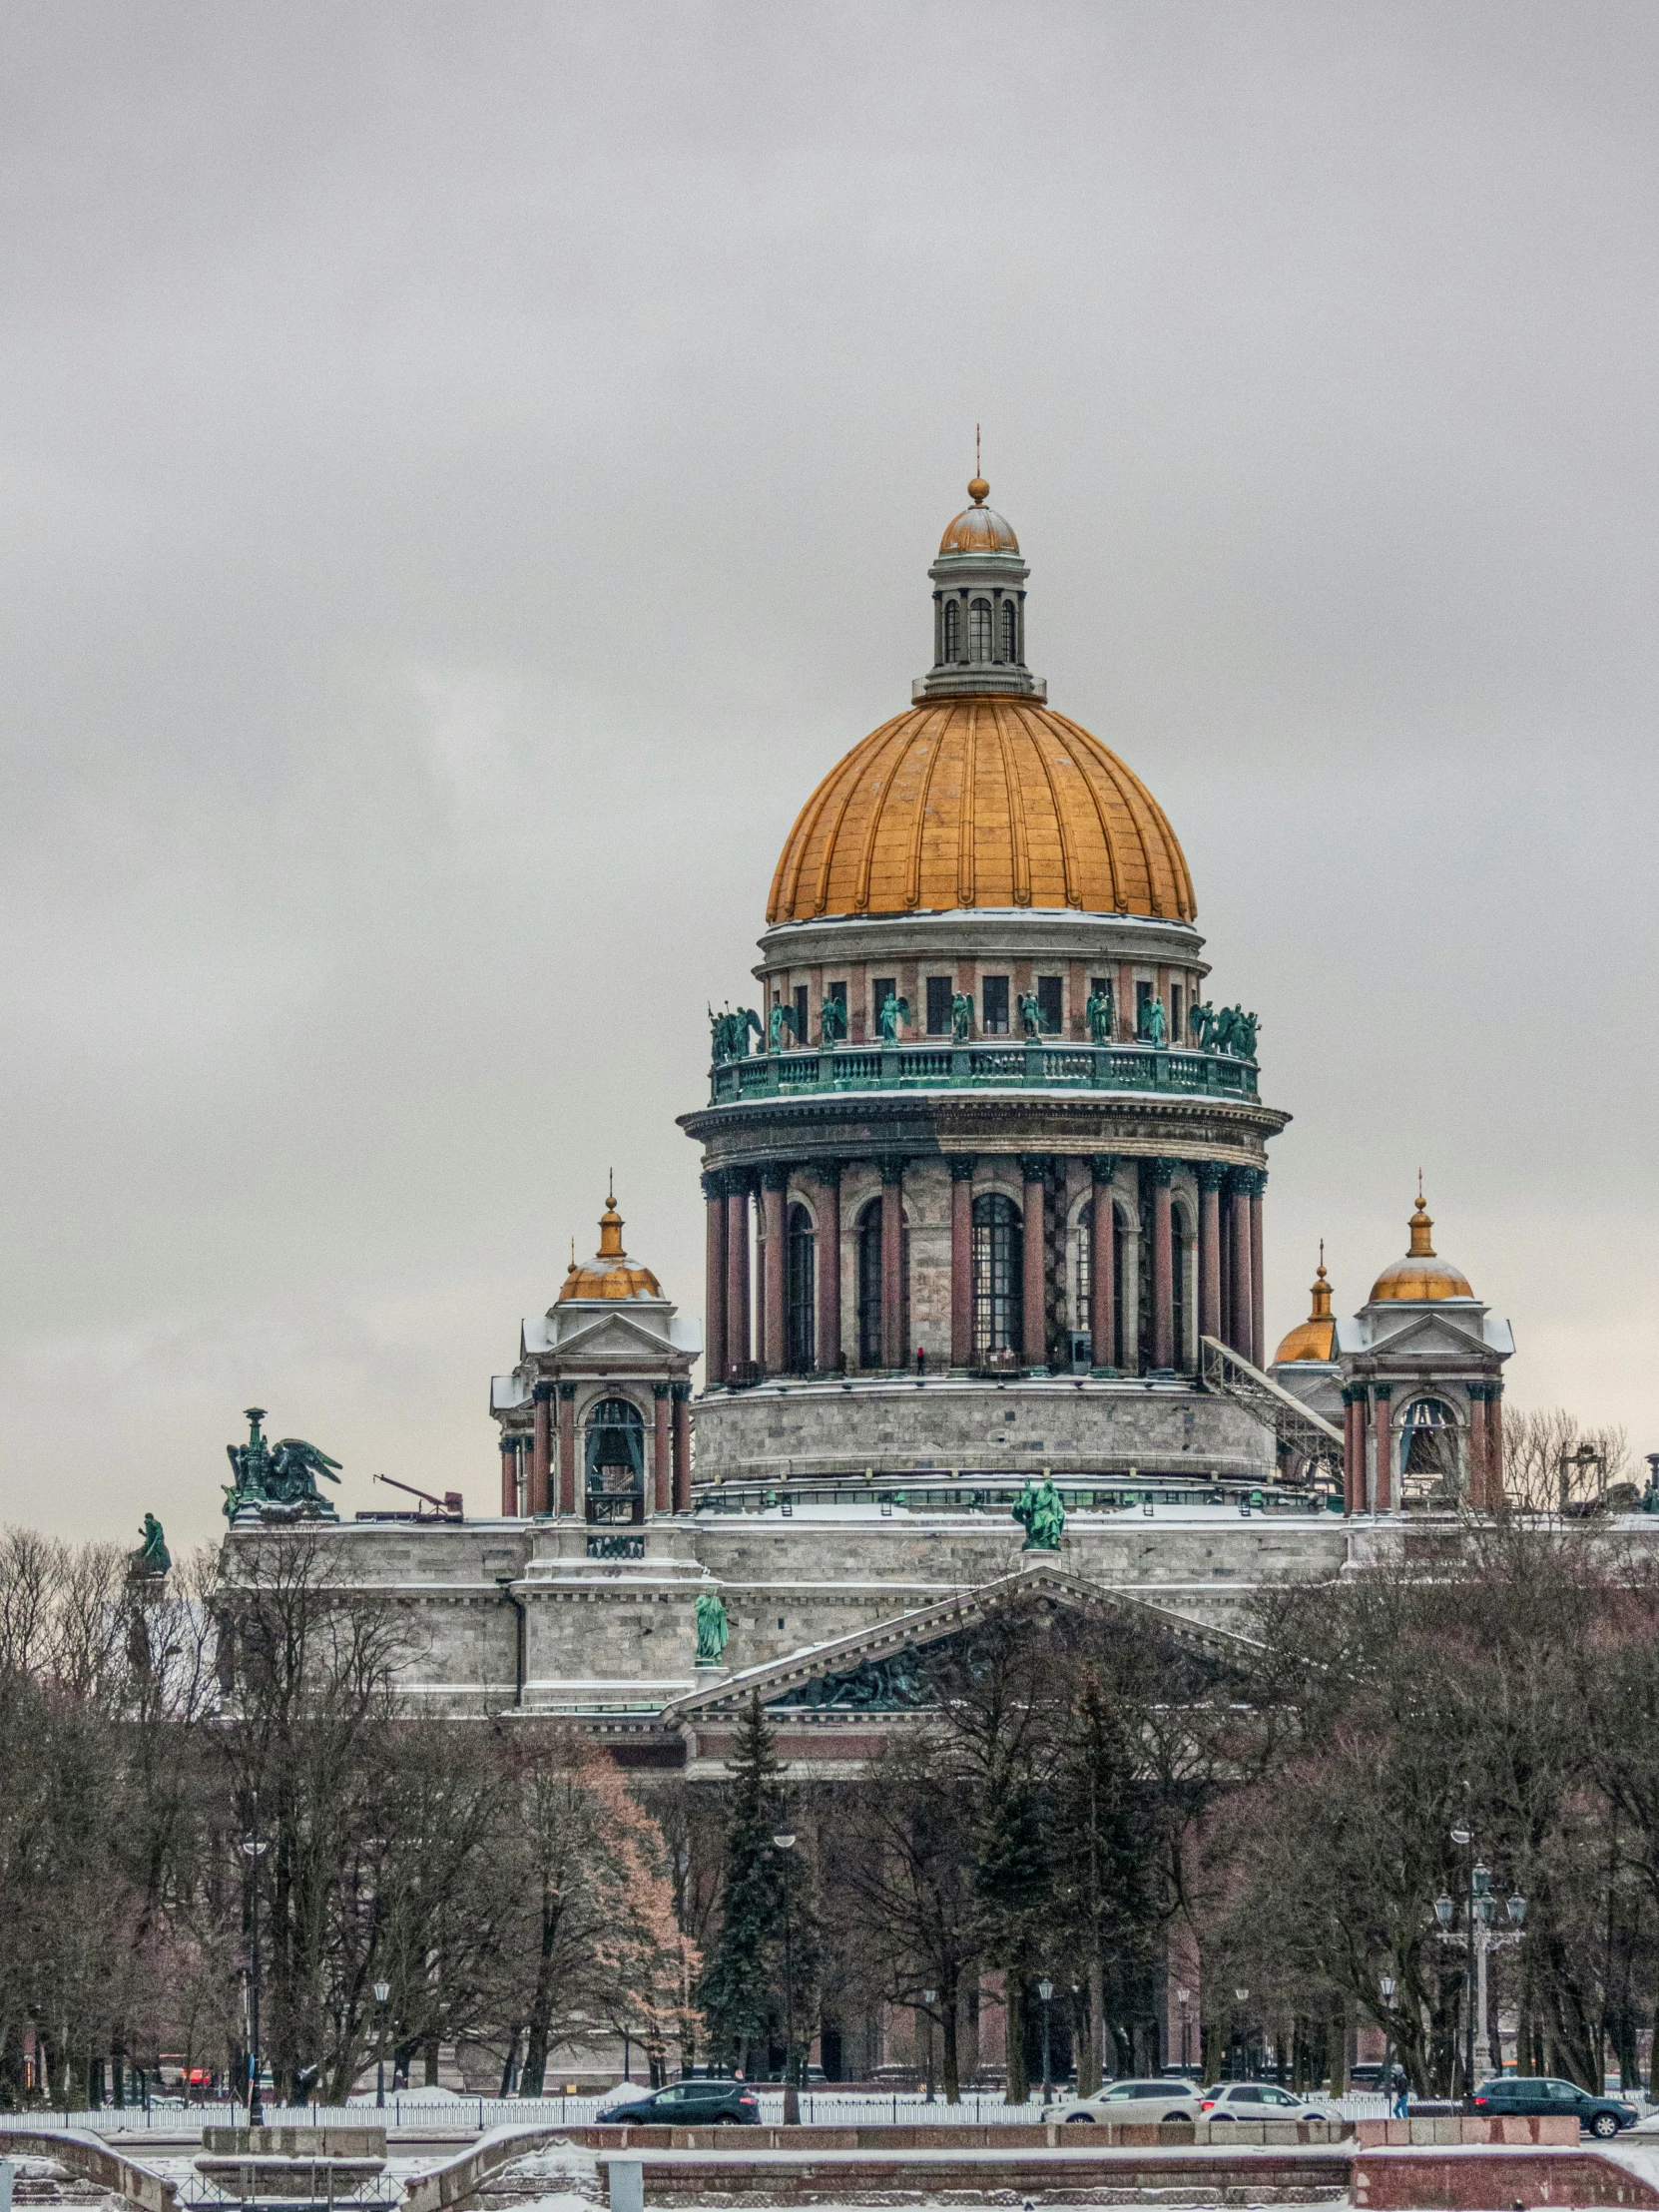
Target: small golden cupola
[(608, 1274), (1421, 1275), (1315, 1338)]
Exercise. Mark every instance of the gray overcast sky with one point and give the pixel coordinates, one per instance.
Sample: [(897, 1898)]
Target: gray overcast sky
[(469, 469)]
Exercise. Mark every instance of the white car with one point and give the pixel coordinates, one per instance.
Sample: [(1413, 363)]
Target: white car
[(1147, 2101), (1257, 2101)]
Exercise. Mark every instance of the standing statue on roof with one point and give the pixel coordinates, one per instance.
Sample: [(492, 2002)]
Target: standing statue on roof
[(713, 1632), (831, 1021), (1157, 1025), (1031, 1013), (1098, 1012), (152, 1559), (962, 1018), (783, 1018), (893, 1010)]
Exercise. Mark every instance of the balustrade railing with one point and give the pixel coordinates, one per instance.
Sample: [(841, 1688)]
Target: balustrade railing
[(1034, 1062)]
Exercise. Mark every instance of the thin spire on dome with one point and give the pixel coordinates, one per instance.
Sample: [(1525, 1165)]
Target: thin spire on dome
[(1421, 1224), (610, 1225)]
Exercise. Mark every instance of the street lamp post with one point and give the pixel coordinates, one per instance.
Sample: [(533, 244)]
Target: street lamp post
[(1386, 1990), (1478, 1942), (1242, 1997), (1045, 1989), (382, 1991), (785, 1841), (1184, 1997), (930, 1999), (252, 1845)]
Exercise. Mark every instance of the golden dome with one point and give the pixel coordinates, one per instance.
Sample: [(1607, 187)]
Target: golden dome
[(1420, 1275), (985, 800), (609, 1275), (1315, 1338), (979, 529)]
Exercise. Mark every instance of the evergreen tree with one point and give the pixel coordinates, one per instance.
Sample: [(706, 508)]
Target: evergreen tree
[(743, 1969)]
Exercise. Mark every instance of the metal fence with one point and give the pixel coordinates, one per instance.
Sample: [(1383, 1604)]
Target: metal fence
[(827, 2107)]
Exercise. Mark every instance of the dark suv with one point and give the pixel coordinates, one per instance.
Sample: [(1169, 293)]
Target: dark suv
[(1516, 2096), (690, 2104)]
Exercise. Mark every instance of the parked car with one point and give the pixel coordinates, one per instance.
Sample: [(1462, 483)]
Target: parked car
[(1258, 2100), (692, 2104), (1522, 2096), (1149, 2102)]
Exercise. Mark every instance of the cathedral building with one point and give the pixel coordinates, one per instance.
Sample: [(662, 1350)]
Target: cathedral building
[(997, 1166), (984, 1177)]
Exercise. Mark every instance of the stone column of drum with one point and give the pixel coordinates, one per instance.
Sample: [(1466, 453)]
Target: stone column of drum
[(1240, 1332), (1258, 1301), (1494, 1446), (1478, 1448), (659, 1449), (828, 1259), (1102, 1262), (892, 1264), (1211, 1176), (1353, 1451), (1034, 1246), (714, 1280), (567, 1449), (509, 1480), (774, 1352), (961, 1263), (682, 1447), (540, 1451), (737, 1269), (1162, 1266), (1382, 1437)]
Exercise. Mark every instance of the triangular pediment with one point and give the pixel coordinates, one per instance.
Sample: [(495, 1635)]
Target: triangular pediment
[(870, 1665), (1434, 1336), (618, 1335)]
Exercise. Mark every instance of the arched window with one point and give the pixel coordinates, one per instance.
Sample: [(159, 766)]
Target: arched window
[(1010, 631), (979, 630), (952, 629), (998, 1278), (870, 1286), (1429, 1441), (615, 1462), (800, 1291)]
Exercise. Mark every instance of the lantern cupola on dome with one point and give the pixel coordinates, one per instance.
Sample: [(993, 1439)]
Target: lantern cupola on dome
[(608, 1274), (978, 607), (1421, 1275), (1315, 1338)]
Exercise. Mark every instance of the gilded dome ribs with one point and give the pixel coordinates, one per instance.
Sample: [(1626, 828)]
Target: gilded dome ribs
[(967, 877), (934, 733), (1019, 852), (913, 816), (903, 732)]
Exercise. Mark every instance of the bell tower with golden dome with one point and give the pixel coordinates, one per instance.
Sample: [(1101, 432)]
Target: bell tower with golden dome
[(1417, 1380), (994, 1138)]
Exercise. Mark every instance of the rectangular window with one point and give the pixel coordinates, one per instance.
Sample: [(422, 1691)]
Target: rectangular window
[(801, 1014), (1049, 1004), (994, 992), (1143, 1008), (1177, 1035), (939, 1005)]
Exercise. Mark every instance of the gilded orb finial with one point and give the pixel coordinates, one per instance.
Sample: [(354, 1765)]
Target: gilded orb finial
[(979, 491)]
